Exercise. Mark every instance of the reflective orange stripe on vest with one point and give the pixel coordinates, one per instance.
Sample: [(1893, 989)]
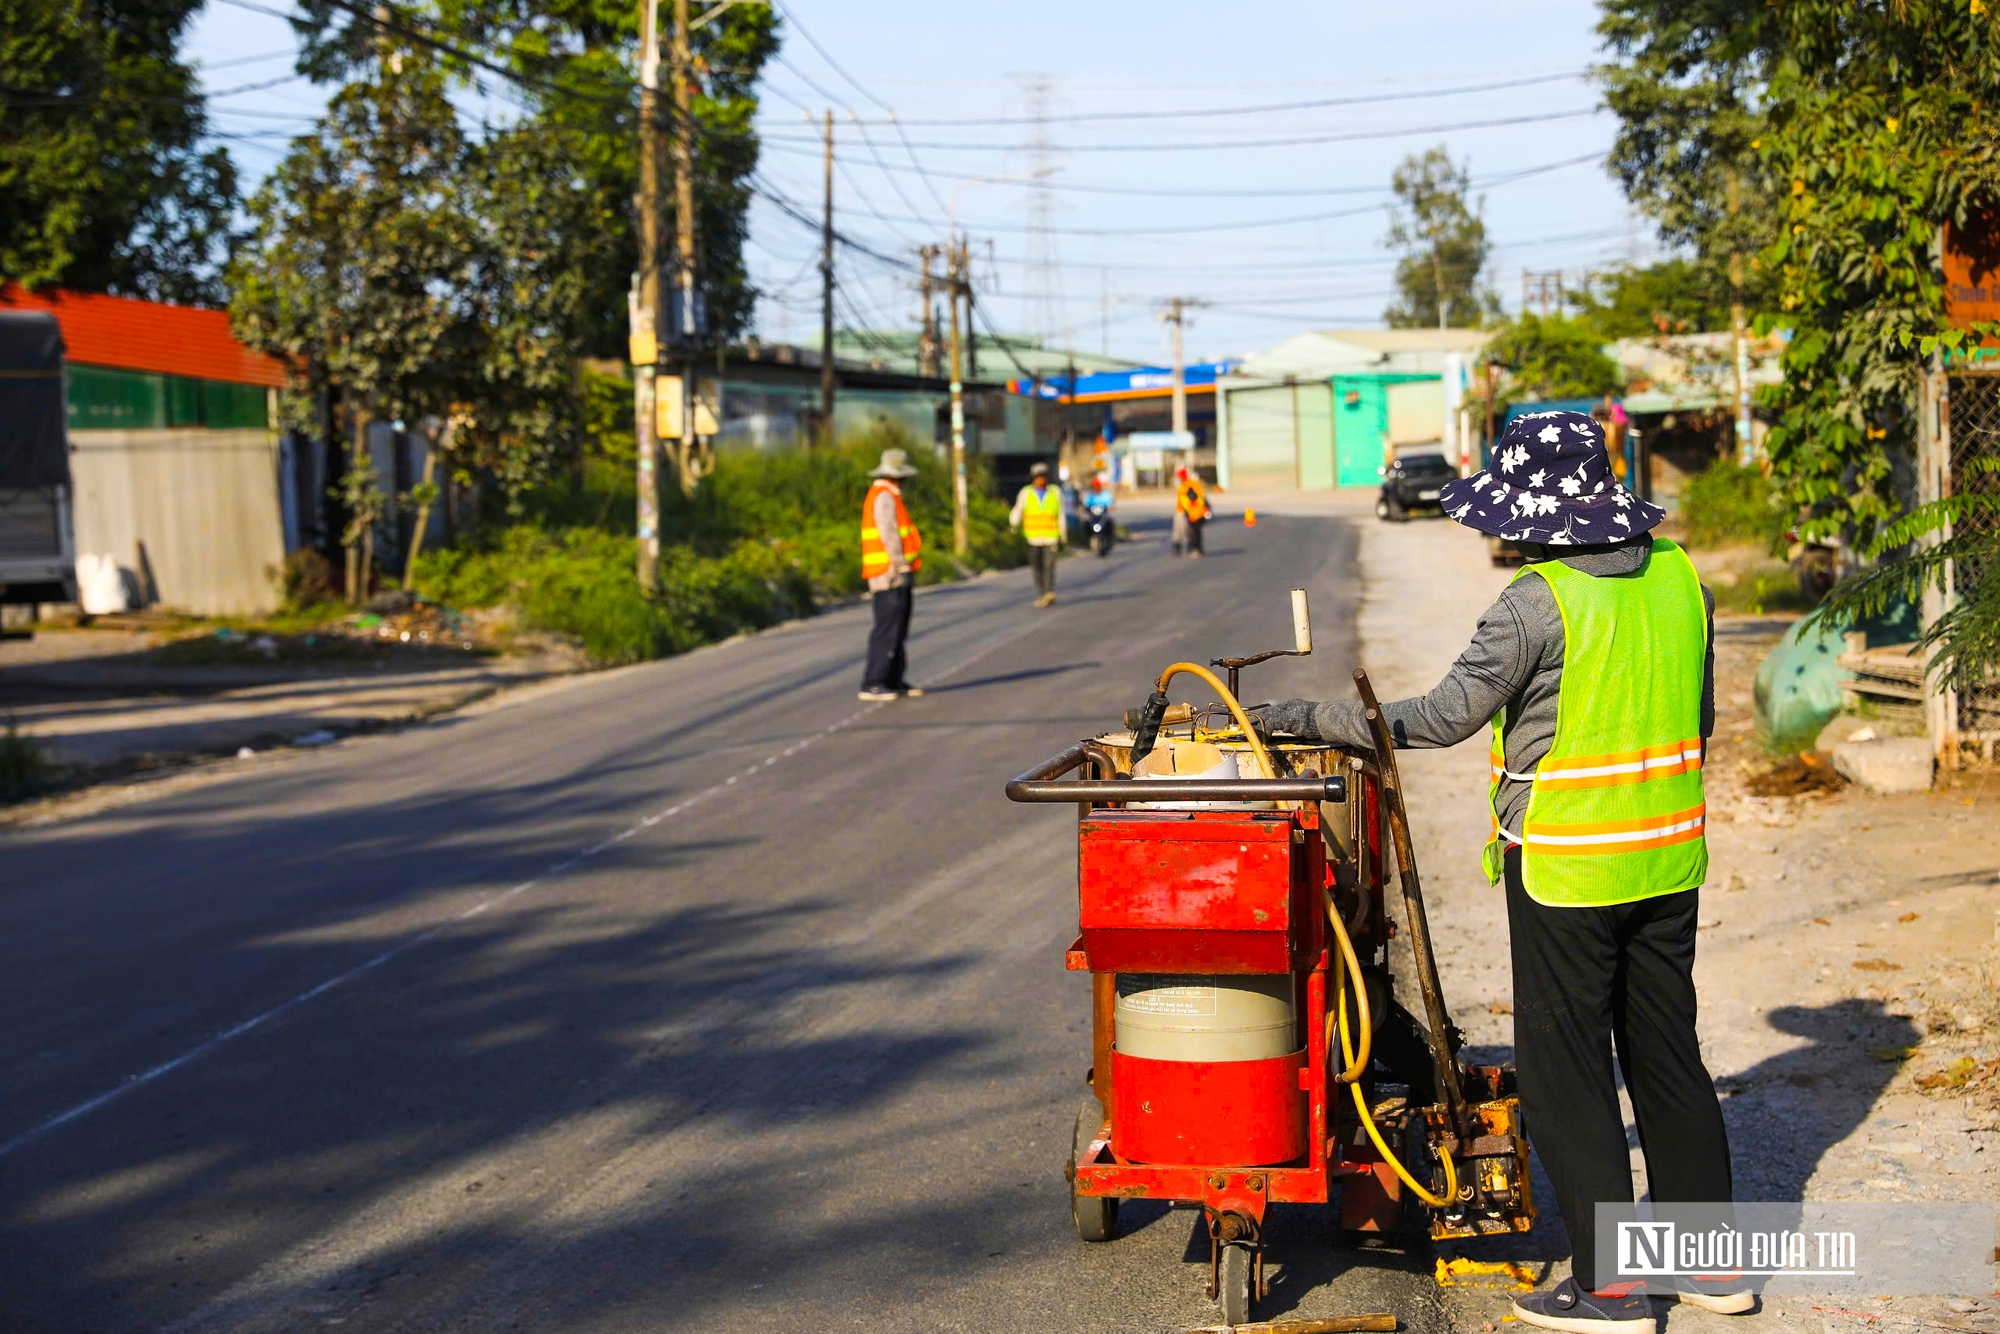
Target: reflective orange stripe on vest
[(874, 556), (1632, 766), (1653, 831)]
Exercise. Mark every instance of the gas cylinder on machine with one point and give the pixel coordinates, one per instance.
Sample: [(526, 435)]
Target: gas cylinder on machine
[(1207, 1069)]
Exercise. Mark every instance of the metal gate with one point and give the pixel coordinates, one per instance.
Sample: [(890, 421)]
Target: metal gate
[(1963, 426)]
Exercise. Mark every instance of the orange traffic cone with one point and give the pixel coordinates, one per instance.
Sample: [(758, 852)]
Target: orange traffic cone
[(1249, 517)]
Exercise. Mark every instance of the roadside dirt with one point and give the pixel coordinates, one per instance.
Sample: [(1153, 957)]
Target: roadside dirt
[(135, 701), (1847, 968)]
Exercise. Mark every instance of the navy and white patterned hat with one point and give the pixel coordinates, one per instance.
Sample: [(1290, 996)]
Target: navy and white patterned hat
[(1550, 481)]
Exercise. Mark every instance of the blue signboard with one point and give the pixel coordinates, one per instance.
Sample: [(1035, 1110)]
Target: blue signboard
[(1145, 382)]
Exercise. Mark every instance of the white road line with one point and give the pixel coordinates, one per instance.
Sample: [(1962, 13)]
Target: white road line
[(251, 1025)]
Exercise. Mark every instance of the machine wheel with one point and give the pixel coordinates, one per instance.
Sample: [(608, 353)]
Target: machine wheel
[(1392, 509), (1103, 545), (1095, 1216), (1239, 1267)]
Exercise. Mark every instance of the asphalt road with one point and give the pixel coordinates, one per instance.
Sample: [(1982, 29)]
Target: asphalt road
[(695, 996)]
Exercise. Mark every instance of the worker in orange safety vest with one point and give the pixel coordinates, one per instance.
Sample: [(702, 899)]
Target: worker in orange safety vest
[(892, 551), (1190, 510)]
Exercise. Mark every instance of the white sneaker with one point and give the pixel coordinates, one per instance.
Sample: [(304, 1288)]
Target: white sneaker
[(1722, 1303), (877, 696)]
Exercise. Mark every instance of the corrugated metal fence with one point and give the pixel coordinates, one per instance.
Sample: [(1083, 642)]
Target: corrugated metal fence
[(194, 514)]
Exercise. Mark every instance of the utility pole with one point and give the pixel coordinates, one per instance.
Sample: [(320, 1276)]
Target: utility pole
[(826, 292), (1173, 311), (961, 543), (965, 287), (927, 337), (690, 331), (643, 309), (1745, 455)]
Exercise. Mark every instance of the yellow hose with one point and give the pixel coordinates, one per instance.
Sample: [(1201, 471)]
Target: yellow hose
[(1346, 965), (1236, 710), (1347, 975)]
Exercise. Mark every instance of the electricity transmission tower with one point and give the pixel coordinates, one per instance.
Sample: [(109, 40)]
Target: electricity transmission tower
[(1044, 277)]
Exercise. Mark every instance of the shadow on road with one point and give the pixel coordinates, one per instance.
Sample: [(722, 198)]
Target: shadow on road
[(1005, 678), (501, 1035)]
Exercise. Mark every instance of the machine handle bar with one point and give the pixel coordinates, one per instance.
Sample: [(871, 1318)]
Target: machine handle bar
[(1038, 784)]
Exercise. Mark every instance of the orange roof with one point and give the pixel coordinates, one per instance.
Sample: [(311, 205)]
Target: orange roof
[(132, 335)]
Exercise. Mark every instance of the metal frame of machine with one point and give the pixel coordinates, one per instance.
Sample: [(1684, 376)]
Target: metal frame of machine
[(1217, 891)]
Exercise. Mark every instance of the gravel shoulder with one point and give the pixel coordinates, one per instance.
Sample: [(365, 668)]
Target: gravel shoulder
[(1848, 955)]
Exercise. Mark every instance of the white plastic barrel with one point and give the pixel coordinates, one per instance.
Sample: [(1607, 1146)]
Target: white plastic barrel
[(1204, 1016)]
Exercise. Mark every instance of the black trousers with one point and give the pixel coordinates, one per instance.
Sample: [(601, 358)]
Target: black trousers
[(886, 659), (1194, 533), (1587, 980), (1044, 561)]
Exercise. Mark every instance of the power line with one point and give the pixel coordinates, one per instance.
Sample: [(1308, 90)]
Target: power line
[(1350, 136), (207, 68), (1262, 109), (1154, 192), (1039, 228), (858, 86), (832, 64)]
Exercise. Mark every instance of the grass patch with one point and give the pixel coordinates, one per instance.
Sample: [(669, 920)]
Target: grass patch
[(22, 768), (1726, 503)]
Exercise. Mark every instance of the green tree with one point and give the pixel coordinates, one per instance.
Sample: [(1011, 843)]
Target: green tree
[(575, 66), (104, 182), (522, 413), (361, 263), (1882, 124), (1672, 296), (1552, 357), (1444, 245), (1688, 83)]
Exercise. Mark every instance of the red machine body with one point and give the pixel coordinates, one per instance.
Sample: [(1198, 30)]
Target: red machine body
[(1218, 892)]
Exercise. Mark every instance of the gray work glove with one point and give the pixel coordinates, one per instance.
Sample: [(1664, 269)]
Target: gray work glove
[(1289, 717)]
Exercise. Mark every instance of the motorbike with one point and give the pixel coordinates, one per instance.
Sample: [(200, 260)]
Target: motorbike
[(1099, 530)]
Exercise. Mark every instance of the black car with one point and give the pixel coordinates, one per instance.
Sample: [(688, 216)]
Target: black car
[(1412, 482)]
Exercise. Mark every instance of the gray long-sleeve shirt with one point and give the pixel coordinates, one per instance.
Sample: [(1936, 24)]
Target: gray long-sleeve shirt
[(892, 543), (1515, 664)]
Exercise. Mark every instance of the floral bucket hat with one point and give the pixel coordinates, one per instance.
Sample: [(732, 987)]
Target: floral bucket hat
[(1550, 481)]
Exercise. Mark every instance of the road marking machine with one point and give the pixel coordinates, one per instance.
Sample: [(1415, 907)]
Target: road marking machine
[(1247, 1045)]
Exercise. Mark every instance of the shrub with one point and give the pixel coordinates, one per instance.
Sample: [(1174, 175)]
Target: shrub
[(764, 537), (1727, 503), (306, 579)]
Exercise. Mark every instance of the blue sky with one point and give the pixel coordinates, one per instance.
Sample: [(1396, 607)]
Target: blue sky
[(1143, 207)]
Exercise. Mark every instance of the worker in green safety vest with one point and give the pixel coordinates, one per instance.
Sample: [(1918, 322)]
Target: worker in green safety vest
[(1595, 671)]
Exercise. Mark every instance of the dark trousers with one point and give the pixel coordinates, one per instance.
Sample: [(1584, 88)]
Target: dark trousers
[(1194, 533), (1586, 980), (1044, 561), (886, 660)]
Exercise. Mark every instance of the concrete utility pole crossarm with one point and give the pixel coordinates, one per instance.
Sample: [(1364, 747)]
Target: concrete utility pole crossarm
[(644, 302)]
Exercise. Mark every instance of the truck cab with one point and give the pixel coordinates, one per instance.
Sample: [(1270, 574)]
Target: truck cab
[(37, 545)]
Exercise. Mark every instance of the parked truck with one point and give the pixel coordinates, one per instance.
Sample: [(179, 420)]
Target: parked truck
[(37, 545)]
